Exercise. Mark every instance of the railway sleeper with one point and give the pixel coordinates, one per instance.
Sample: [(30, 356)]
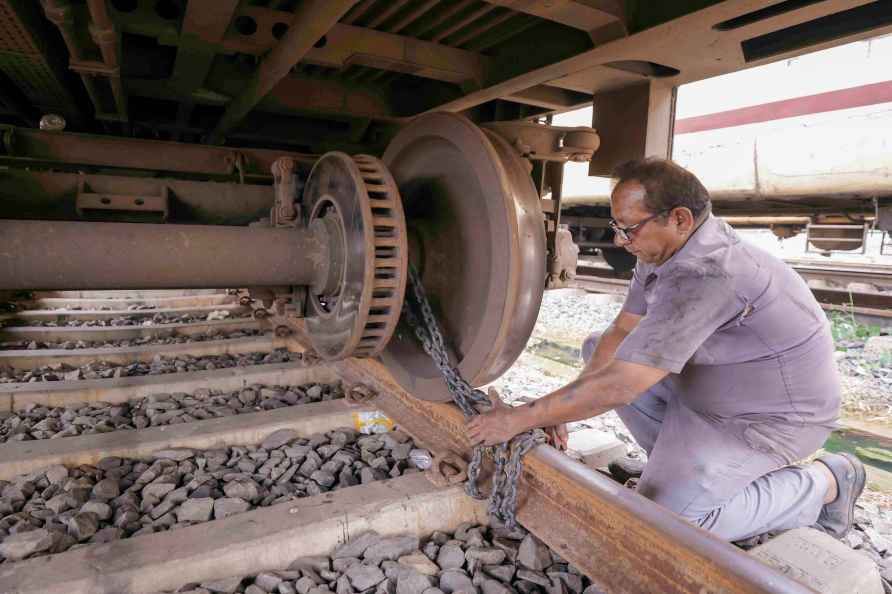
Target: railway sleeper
[(62, 506), (475, 558), (93, 317), (92, 337), (168, 339), (113, 293), (126, 303), (235, 353), (37, 358), (37, 422), (256, 541), (296, 370)]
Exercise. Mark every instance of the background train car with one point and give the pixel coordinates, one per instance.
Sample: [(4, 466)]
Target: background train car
[(799, 145)]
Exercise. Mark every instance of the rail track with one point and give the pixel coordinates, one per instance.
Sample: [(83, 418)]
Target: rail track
[(146, 467), (864, 289)]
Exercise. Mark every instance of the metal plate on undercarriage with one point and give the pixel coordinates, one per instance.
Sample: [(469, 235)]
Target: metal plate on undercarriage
[(477, 237)]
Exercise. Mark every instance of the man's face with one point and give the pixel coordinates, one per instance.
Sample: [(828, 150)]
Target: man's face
[(653, 242)]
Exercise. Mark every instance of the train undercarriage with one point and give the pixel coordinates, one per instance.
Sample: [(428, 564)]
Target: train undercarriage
[(317, 155)]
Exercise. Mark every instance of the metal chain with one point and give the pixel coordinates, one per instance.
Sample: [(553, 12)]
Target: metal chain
[(507, 456)]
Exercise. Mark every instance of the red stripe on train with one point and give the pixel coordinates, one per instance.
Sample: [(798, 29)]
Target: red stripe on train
[(789, 108)]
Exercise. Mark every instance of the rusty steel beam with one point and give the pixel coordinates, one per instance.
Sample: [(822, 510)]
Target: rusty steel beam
[(73, 255), (517, 26), (24, 145), (463, 22), (295, 93), (572, 13), (443, 17), (358, 11), (551, 98), (106, 35), (347, 45), (622, 541), (26, 194), (472, 33), (412, 16), (702, 52), (315, 18), (204, 27), (381, 18), (60, 15)]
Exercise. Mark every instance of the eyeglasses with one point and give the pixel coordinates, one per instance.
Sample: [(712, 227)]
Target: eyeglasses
[(627, 234)]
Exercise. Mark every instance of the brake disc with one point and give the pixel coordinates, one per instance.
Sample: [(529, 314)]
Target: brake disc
[(358, 202)]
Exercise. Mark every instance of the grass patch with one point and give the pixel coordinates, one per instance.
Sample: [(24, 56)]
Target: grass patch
[(845, 328), (556, 351), (873, 451)]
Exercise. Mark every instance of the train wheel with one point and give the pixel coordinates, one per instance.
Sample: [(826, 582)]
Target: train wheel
[(477, 239)]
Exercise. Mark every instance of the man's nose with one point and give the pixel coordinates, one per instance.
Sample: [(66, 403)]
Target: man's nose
[(619, 241)]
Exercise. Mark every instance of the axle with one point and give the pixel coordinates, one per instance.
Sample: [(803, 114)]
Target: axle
[(78, 255)]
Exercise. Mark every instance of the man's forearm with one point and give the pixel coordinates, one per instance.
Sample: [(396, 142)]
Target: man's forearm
[(591, 394)]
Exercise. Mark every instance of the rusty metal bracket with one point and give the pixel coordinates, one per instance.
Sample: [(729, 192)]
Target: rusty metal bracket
[(360, 394), (543, 142), (283, 331), (94, 68), (286, 211), (563, 258), (563, 253), (104, 206), (448, 469)]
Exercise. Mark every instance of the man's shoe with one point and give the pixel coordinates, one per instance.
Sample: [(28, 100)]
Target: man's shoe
[(625, 468), (838, 516)]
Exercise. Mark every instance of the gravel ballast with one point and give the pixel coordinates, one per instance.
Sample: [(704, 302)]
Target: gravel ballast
[(52, 422), (60, 508), (473, 560), (158, 366), (32, 345), (126, 320)]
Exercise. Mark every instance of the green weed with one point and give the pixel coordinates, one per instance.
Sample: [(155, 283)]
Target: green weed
[(845, 328)]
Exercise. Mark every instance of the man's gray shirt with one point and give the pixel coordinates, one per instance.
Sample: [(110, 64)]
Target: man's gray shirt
[(739, 330)]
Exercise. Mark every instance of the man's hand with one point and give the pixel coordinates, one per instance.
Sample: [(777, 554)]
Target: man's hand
[(496, 426), (558, 436)]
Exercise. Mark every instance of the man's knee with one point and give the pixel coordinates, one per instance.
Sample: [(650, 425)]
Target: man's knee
[(589, 345), (703, 514)]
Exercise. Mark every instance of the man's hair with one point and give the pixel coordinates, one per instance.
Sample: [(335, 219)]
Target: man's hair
[(666, 185)]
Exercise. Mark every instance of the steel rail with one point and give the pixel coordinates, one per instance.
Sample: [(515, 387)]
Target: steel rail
[(622, 541), (879, 276), (868, 307), (875, 274)]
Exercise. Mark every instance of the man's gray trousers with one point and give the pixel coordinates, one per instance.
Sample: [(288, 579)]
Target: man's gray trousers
[(719, 474)]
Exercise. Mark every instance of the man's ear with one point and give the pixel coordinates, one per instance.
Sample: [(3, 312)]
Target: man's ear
[(684, 219)]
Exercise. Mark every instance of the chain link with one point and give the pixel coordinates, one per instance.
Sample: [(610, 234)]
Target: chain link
[(506, 456)]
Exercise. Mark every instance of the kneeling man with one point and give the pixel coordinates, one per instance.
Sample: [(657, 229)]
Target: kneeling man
[(720, 364)]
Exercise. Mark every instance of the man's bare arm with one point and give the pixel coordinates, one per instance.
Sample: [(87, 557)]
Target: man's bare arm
[(591, 394), (621, 326)]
